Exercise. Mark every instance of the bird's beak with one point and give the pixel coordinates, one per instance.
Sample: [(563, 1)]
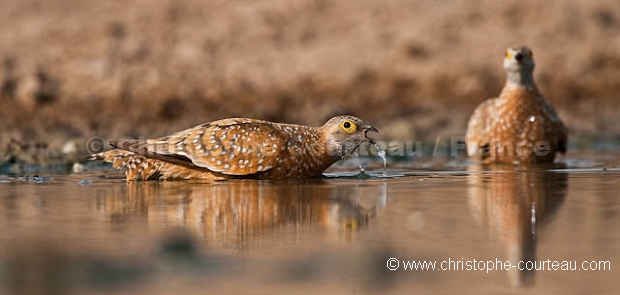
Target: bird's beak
[(519, 57), (367, 129)]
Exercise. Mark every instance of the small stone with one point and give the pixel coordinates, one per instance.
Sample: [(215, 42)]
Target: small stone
[(85, 182), (77, 167)]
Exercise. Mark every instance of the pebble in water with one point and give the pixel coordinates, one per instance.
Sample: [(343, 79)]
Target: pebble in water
[(85, 182), (37, 178)]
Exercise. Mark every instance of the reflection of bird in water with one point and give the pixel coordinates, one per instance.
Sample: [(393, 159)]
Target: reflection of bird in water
[(234, 213), (514, 204), (240, 148), (520, 125)]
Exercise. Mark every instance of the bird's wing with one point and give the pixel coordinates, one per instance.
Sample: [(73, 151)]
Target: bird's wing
[(562, 132), (230, 146), (140, 147), (479, 127)]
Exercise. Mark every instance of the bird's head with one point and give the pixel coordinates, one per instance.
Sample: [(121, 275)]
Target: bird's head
[(519, 64), (344, 134)]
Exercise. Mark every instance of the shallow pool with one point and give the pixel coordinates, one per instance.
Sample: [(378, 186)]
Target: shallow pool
[(92, 233)]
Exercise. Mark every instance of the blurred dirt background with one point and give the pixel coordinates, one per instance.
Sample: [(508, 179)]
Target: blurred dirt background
[(74, 69)]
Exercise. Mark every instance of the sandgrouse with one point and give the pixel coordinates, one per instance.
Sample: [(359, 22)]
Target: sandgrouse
[(240, 148), (520, 126)]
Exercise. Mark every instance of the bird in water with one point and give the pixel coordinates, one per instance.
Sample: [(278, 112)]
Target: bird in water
[(520, 126), (240, 148)]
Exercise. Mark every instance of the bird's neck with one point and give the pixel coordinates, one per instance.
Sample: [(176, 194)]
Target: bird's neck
[(520, 78), (323, 156)]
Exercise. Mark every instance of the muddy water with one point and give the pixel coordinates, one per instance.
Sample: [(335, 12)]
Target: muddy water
[(92, 233)]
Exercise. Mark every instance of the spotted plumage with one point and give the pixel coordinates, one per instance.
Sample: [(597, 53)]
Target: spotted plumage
[(519, 126), (240, 148)]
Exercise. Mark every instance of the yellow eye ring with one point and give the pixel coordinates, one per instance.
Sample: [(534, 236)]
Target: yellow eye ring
[(530, 55), (507, 54), (348, 126)]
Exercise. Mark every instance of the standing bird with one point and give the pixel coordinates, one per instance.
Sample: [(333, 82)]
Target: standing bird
[(240, 148), (519, 126)]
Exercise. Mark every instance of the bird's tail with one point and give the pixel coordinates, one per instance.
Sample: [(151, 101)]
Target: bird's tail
[(138, 167), (118, 158)]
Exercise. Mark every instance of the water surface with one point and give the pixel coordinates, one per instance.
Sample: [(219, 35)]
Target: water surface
[(92, 233)]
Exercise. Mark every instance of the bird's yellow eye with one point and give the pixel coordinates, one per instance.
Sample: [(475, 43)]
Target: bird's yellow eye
[(348, 126), (530, 55), (507, 55)]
